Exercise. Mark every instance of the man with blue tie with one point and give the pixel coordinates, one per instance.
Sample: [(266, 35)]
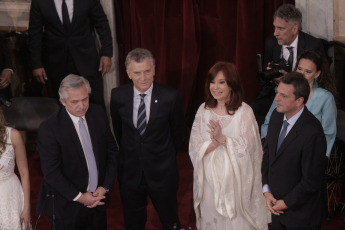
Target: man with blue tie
[(148, 124), (79, 160), (293, 163)]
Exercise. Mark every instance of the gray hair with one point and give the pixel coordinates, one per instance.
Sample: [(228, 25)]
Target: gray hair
[(138, 55), (289, 12), (72, 81)]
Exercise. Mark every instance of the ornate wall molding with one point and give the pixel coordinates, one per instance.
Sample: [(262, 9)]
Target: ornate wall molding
[(14, 15)]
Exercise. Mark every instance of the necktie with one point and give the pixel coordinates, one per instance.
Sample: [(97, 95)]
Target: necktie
[(65, 15), (290, 60), (90, 157), (282, 134), (141, 122)]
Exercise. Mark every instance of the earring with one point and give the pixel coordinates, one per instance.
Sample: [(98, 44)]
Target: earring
[(315, 85)]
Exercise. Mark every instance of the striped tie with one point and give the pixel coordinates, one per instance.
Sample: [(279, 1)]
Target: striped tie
[(290, 59), (141, 122)]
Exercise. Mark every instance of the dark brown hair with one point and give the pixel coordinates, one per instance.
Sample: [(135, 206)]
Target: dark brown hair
[(300, 85), (233, 81), (3, 134), (325, 80)]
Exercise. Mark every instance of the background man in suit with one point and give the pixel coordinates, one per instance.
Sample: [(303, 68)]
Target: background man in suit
[(148, 124), (78, 156), (6, 69), (287, 21), (293, 163), (62, 41)]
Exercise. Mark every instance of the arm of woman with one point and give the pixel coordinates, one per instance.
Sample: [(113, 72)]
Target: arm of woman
[(197, 136), (264, 126), (328, 121), (22, 163)]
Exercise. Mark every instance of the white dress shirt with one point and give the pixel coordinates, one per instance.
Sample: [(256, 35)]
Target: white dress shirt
[(136, 103), (286, 53), (70, 8)]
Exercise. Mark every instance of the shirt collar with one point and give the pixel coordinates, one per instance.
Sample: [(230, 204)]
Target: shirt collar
[(294, 118), (147, 92), (75, 119), (293, 44)]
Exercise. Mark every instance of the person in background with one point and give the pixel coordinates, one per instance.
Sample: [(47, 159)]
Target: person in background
[(148, 124), (321, 103), (226, 153), (6, 69), (286, 43), (14, 196), (293, 164), (62, 41)]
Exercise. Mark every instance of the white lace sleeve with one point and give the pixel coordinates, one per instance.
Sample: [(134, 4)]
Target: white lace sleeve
[(198, 135)]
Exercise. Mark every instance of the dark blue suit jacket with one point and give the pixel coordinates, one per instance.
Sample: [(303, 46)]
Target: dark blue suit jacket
[(154, 153)]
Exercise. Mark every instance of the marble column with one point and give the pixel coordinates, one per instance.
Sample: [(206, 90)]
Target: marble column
[(111, 79)]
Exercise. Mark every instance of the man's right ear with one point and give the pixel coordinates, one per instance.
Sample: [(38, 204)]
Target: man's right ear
[(62, 102), (129, 76)]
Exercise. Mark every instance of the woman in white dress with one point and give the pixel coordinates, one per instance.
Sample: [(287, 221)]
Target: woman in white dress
[(14, 196), (226, 153)]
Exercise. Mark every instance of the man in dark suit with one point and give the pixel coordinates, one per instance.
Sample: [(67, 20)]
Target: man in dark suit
[(148, 123), (79, 160), (62, 41), (293, 163), (287, 22), (6, 69)]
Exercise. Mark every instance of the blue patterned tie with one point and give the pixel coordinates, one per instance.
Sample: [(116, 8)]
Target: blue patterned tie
[(90, 157), (141, 122), (282, 134)]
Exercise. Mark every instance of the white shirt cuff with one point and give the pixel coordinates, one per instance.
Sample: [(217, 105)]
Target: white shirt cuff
[(77, 197), (266, 188)]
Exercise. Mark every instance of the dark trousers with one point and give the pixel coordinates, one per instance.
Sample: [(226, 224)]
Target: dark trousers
[(134, 202), (95, 79), (86, 219), (277, 225)]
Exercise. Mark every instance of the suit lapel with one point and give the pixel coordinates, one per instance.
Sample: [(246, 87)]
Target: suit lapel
[(55, 15), (129, 105), (92, 126), (277, 52), (68, 127), (76, 8), (155, 101), (301, 43), (274, 135), (291, 136)]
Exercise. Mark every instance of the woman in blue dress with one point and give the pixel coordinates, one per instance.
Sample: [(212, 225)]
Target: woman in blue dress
[(321, 103)]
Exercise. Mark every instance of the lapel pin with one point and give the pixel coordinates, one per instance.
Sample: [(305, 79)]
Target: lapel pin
[(156, 101)]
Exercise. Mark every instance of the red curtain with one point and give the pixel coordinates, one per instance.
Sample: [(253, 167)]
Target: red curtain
[(187, 37)]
